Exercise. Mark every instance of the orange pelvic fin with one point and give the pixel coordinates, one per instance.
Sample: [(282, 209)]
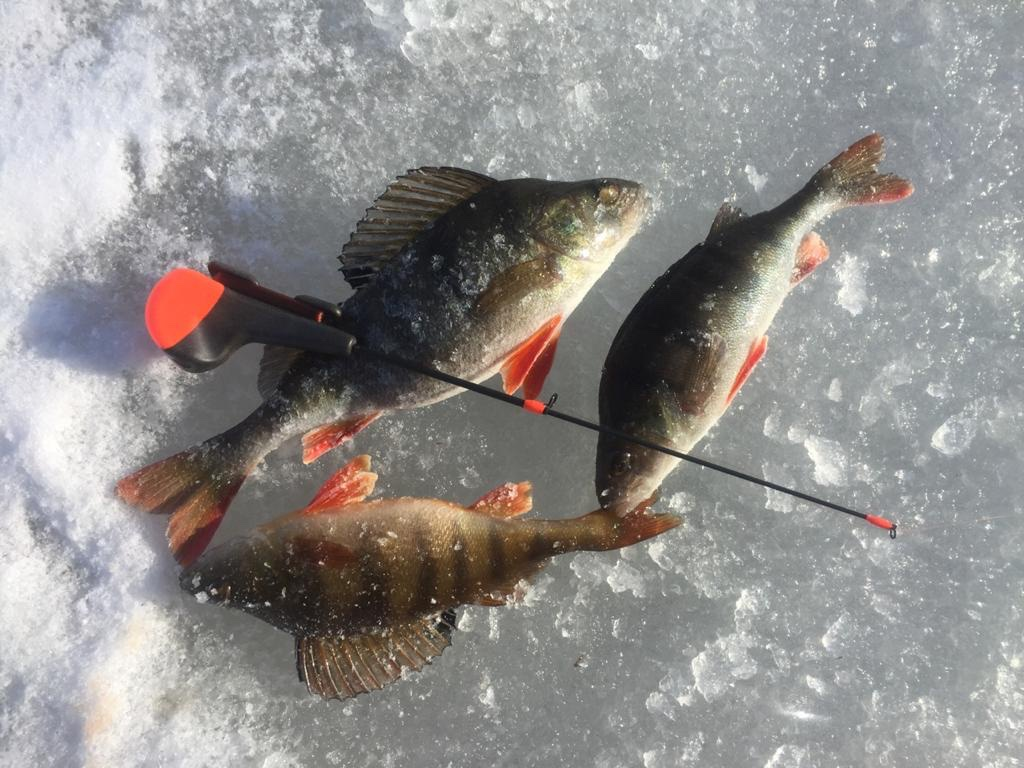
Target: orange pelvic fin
[(350, 484), (756, 353), (343, 667), (809, 255), (532, 354), (319, 441), (507, 500)]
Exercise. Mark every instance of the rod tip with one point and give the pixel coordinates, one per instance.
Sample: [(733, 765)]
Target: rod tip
[(882, 523)]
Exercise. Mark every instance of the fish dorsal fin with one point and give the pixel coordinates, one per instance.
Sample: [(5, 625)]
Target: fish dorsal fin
[(273, 365), (345, 666), (727, 215), (350, 484), (507, 500), (410, 204)]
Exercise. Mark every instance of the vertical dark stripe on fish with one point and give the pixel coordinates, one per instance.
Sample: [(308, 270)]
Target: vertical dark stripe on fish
[(426, 581), (460, 564), (496, 551)]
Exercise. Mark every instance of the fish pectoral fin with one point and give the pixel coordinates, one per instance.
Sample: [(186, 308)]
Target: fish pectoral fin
[(507, 500), (341, 667), (691, 371), (518, 367), (756, 353), (516, 283), (273, 365), (350, 484), (513, 590), (409, 205), (319, 441), (811, 252), (321, 552), (727, 215), (492, 600)]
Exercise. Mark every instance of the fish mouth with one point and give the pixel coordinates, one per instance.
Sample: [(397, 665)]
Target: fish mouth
[(634, 205)]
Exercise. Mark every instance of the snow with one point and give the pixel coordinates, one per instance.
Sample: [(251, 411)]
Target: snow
[(763, 631)]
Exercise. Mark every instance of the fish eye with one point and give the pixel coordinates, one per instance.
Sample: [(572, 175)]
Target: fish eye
[(621, 464), (608, 194)]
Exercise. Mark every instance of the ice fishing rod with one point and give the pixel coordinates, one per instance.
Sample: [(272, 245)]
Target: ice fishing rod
[(200, 321)]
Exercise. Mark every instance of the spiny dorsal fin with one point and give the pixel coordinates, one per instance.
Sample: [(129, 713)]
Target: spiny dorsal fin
[(343, 667), (727, 215), (409, 205), (350, 484), (507, 500), (273, 365)]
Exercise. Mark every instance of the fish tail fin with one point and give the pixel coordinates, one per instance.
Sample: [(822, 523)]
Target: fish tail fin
[(852, 177), (195, 487), (633, 527)]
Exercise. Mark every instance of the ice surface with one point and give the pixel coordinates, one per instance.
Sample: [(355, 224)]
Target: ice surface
[(761, 632)]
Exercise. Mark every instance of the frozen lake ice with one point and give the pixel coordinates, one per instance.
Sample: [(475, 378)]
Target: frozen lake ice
[(145, 135)]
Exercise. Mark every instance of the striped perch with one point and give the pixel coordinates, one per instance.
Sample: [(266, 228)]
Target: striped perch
[(369, 588)]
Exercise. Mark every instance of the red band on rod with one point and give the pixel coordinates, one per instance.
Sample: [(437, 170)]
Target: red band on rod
[(534, 406), (881, 522)]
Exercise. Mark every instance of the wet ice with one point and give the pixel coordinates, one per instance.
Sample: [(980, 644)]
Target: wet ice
[(137, 138)]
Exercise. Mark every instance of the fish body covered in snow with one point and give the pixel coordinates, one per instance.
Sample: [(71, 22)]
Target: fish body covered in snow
[(694, 337), (369, 588), (452, 270)]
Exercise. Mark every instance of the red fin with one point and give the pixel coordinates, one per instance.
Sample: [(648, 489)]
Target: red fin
[(809, 255), (329, 554), (350, 484), (756, 353), (319, 441), (541, 367), (508, 500), (195, 486), (852, 175), (637, 525), (520, 363)]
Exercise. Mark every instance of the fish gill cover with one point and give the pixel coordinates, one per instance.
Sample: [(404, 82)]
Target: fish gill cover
[(139, 137)]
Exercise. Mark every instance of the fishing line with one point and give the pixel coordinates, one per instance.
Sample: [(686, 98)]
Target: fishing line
[(200, 321), (546, 409)]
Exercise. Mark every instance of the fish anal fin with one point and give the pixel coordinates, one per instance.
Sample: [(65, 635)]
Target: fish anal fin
[(345, 666), (319, 441), (513, 590), (350, 484), (408, 206), (756, 352), (811, 252), (692, 372), (321, 552), (273, 365), (727, 215), (520, 362), (507, 500)]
